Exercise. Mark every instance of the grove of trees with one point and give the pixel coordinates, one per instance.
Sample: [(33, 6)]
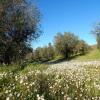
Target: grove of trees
[(67, 45), (43, 53)]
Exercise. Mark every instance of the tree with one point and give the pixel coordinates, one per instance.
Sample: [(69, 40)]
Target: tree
[(19, 24), (43, 53), (82, 47), (65, 43), (50, 51), (96, 32), (37, 55)]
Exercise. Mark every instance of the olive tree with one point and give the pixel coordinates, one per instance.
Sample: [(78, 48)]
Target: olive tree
[(65, 43), (19, 24)]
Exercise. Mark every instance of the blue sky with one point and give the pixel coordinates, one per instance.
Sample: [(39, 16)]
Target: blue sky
[(77, 16)]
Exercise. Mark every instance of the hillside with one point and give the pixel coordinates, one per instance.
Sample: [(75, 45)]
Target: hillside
[(94, 54)]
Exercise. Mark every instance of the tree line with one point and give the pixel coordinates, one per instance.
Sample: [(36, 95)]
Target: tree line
[(66, 45)]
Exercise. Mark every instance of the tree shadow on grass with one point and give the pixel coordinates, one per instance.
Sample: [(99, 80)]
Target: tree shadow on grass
[(64, 59), (57, 61), (75, 56)]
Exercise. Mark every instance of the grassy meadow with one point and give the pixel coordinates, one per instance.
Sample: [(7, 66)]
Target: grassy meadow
[(92, 55), (78, 79)]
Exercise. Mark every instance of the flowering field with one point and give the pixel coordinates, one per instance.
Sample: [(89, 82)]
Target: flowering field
[(72, 80)]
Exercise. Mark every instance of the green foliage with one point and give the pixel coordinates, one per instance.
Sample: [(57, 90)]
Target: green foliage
[(96, 32), (44, 54), (51, 52), (19, 23), (82, 48), (68, 44), (98, 41), (91, 55), (65, 45)]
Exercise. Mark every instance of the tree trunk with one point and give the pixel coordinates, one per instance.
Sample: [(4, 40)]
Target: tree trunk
[(7, 58)]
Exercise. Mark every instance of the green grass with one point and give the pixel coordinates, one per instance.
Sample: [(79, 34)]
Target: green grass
[(92, 55), (6, 68), (32, 67), (56, 58), (17, 69)]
